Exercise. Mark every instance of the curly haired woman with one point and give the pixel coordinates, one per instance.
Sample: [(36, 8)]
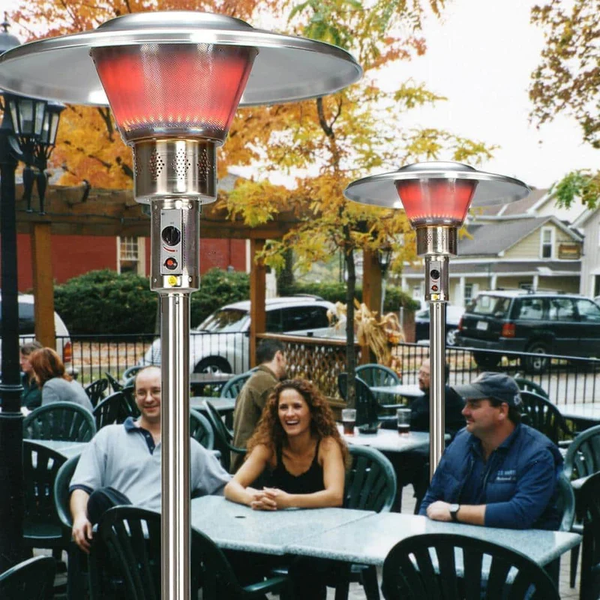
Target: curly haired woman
[(298, 450)]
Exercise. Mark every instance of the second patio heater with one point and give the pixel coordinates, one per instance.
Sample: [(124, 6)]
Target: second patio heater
[(436, 197), (174, 81)]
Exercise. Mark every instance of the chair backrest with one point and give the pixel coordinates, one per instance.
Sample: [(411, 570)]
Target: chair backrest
[(541, 414), (531, 386), (129, 407), (61, 491), (31, 579), (233, 387), (223, 437), (132, 371), (375, 375), (115, 384), (96, 390), (370, 481), (60, 421), (40, 469), (583, 455), (201, 429), (589, 503), (366, 406), (565, 502), (426, 566), (132, 538), (109, 410)]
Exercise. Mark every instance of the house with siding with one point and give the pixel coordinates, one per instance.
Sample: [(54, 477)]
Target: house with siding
[(589, 224), (524, 244)]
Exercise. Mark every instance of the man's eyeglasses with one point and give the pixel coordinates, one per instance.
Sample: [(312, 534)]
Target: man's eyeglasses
[(141, 394)]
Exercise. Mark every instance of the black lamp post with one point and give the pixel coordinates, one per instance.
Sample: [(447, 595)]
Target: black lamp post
[(384, 258), (28, 133)]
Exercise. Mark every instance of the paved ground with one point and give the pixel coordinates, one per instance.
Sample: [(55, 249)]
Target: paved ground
[(357, 592)]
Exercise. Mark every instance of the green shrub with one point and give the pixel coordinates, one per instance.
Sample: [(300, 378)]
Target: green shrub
[(106, 302)]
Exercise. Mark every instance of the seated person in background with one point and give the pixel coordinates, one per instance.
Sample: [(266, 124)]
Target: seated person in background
[(56, 384), (413, 467), (300, 453), (419, 407), (122, 464), (32, 396), (497, 472), (270, 356)]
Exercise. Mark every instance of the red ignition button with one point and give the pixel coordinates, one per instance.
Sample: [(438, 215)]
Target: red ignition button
[(171, 263)]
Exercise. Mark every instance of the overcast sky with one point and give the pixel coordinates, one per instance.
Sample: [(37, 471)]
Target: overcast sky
[(481, 57)]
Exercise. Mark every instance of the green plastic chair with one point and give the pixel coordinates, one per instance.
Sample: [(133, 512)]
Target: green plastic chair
[(375, 375), (201, 429), (367, 407), (115, 384), (425, 566), (531, 386), (110, 410), (541, 414), (96, 390), (590, 553), (60, 421), (234, 386), (223, 437), (31, 579), (131, 537)]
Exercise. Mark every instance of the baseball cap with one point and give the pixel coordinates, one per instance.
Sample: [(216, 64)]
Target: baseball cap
[(498, 386)]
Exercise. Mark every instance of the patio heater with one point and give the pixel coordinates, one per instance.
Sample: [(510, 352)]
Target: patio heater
[(436, 197), (174, 81)]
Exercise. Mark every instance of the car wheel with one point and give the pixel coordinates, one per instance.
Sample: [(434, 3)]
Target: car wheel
[(486, 361), (536, 364), (451, 336), (213, 365)]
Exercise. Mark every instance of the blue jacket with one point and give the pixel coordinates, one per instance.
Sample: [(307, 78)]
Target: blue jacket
[(517, 484)]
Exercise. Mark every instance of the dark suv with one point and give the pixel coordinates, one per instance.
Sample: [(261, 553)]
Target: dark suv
[(537, 323)]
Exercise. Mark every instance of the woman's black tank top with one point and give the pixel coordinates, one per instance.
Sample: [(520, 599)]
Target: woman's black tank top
[(306, 483)]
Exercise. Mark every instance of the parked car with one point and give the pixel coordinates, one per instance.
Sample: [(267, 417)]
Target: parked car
[(27, 328), (453, 315), (221, 342), (536, 323)]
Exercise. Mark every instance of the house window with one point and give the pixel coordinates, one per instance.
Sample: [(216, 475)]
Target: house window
[(547, 242), (468, 292), (130, 255)]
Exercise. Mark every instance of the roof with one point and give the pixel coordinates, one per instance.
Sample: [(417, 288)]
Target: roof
[(520, 207), (498, 236), (535, 267)]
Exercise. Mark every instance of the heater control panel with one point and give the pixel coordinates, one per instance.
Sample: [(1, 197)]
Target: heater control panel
[(171, 242), (436, 279)]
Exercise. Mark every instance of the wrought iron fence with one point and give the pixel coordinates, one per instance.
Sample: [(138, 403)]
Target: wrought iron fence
[(565, 379)]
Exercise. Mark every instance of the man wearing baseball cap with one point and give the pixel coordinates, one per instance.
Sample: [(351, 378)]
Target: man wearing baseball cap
[(497, 472)]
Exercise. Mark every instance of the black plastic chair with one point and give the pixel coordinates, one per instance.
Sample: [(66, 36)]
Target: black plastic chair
[(96, 390), (425, 566), (60, 421), (115, 384), (31, 579), (589, 496), (370, 485), (110, 410), (201, 429), (223, 436), (131, 537), (367, 407), (541, 414), (234, 386), (582, 460)]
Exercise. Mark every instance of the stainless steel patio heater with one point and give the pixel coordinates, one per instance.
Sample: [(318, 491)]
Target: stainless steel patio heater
[(174, 81), (436, 197)]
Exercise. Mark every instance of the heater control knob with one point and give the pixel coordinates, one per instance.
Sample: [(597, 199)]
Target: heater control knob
[(171, 235), (434, 274), (171, 263)]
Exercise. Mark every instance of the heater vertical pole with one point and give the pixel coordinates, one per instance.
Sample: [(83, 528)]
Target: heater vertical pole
[(175, 312), (437, 395)]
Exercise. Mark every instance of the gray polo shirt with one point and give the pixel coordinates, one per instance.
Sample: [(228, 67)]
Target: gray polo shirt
[(61, 390), (124, 457)]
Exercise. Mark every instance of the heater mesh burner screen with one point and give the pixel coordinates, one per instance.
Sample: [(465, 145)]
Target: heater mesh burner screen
[(436, 201), (166, 90)]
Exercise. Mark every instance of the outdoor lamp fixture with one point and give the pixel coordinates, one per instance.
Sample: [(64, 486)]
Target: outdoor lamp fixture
[(436, 197), (174, 81), (384, 258)]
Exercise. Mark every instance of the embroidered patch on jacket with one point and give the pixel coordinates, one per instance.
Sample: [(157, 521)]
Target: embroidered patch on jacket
[(506, 475)]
